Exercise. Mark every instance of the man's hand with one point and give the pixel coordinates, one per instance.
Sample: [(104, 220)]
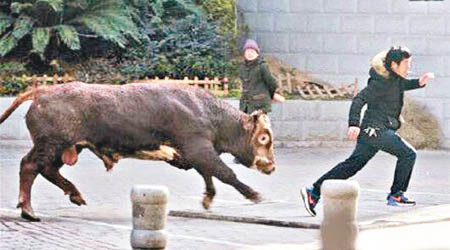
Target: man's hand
[(353, 132), (278, 98), (425, 77)]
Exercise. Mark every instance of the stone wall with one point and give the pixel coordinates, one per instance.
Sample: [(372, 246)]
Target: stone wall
[(296, 123), (14, 128), (335, 39)]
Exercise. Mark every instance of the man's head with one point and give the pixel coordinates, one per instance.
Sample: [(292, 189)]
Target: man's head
[(398, 59), (251, 50)]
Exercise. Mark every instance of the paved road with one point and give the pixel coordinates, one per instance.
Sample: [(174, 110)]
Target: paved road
[(106, 222)]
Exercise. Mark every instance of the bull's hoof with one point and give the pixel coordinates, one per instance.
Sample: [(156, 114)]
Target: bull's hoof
[(27, 211), (76, 199), (207, 202), (29, 215), (256, 198)]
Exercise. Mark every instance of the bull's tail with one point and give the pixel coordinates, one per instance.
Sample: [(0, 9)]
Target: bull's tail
[(27, 95)]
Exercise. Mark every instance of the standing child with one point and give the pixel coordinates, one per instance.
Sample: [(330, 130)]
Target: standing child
[(258, 84)]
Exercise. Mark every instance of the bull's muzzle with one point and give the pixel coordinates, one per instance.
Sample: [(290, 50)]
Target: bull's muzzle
[(264, 165)]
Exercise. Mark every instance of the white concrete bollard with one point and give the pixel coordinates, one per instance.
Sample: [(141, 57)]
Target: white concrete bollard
[(149, 217), (339, 228)]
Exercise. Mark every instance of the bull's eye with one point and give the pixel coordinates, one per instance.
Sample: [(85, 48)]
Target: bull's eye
[(263, 139)]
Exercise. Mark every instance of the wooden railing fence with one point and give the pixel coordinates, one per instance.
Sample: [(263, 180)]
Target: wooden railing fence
[(316, 91), (44, 79), (216, 86), (308, 90)]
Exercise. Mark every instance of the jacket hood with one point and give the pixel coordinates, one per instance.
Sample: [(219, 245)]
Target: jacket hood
[(377, 65)]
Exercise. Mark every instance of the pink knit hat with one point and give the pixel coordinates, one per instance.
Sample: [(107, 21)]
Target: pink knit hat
[(251, 44)]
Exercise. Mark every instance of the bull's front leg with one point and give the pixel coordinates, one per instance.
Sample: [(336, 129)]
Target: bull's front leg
[(226, 175), (208, 163)]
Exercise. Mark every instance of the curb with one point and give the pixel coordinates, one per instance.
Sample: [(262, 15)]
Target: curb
[(420, 216), (391, 224), (252, 220), (425, 215)]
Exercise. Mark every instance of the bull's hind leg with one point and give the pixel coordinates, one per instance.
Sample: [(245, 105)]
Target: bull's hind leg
[(210, 192), (52, 174), (43, 160), (28, 171)]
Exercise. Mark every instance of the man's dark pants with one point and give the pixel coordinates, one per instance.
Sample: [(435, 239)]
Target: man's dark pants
[(367, 146)]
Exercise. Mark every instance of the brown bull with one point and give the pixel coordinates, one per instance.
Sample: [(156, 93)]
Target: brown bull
[(185, 126)]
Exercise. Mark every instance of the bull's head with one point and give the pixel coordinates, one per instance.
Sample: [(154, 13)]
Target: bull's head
[(259, 144)]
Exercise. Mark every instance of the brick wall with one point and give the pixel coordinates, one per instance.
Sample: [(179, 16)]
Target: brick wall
[(335, 39)]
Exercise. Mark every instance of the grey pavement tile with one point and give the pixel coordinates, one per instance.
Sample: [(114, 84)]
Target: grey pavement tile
[(105, 223)]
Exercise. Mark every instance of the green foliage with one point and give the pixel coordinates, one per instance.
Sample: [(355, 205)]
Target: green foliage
[(233, 93), (100, 70), (17, 8), (224, 12), (56, 5), (22, 27), (194, 47), (110, 19), (47, 20), (5, 22), (7, 43), (41, 37), (68, 34), (187, 47), (10, 87), (171, 10), (174, 38), (12, 68)]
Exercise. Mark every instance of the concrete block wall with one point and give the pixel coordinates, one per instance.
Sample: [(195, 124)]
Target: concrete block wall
[(334, 40), (14, 128), (295, 123), (298, 123)]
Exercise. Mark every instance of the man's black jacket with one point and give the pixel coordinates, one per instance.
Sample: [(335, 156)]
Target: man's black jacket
[(383, 96)]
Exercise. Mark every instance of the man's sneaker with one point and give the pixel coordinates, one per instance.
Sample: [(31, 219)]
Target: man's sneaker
[(399, 199), (309, 199)]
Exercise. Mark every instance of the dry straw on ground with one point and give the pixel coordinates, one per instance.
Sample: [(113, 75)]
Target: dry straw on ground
[(420, 128)]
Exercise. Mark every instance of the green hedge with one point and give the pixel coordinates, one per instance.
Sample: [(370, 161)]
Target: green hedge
[(8, 87), (186, 38)]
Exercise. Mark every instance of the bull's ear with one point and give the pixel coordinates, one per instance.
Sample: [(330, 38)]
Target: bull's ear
[(256, 114), (247, 122)]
